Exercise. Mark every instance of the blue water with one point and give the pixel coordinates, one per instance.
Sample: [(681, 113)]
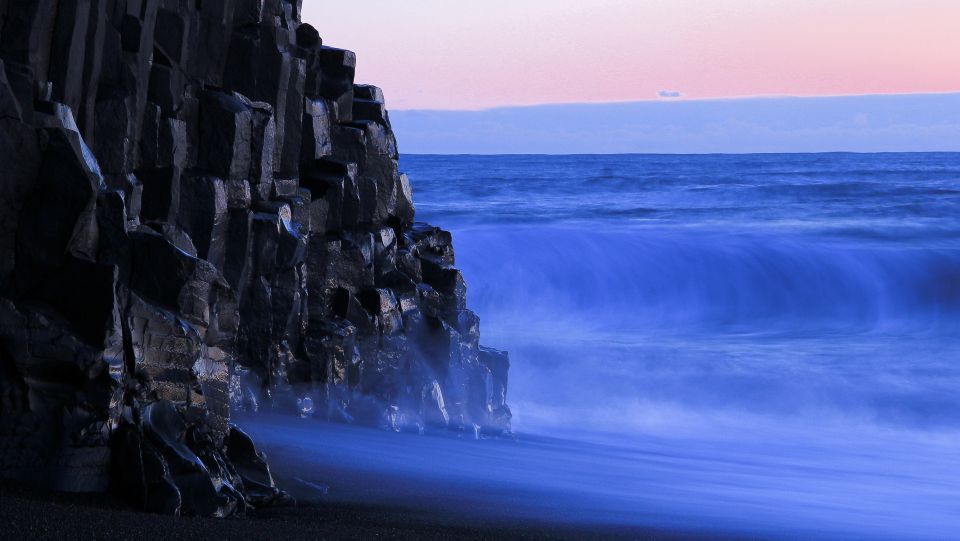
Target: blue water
[(761, 344)]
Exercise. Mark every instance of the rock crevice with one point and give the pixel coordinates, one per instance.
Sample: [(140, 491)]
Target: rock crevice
[(201, 213)]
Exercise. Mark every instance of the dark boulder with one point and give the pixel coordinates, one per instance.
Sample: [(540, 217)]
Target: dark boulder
[(225, 135), (316, 131), (166, 429), (66, 186), (338, 67), (202, 213), (160, 199), (308, 37), (251, 465)]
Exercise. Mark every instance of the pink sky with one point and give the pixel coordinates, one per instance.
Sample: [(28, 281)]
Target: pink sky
[(471, 54)]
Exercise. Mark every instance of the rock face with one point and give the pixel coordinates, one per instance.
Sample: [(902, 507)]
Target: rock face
[(201, 213)]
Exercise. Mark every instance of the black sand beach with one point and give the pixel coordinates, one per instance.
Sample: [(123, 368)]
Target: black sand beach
[(26, 513)]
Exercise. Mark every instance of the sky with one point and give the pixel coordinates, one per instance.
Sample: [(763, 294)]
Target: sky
[(478, 54)]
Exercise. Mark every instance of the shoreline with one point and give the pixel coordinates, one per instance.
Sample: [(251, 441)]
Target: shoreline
[(29, 513)]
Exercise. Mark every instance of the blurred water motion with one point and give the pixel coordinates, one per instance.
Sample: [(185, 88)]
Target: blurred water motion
[(765, 345)]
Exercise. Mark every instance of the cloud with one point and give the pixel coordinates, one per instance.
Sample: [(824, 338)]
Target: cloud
[(889, 123), (669, 94)]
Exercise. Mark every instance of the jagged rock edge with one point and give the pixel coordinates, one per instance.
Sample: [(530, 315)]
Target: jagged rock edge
[(202, 214)]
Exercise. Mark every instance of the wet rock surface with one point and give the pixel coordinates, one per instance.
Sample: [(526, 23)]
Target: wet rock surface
[(202, 213)]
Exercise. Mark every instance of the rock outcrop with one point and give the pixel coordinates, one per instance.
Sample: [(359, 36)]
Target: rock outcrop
[(201, 213)]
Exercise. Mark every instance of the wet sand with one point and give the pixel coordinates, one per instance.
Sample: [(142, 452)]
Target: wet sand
[(27, 513)]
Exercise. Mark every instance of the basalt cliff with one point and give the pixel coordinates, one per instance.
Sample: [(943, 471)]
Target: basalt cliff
[(202, 214)]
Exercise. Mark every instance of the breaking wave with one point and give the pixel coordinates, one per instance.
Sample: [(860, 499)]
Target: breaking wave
[(755, 345), (687, 280)]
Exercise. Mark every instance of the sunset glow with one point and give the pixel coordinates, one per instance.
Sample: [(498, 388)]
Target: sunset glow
[(468, 54)]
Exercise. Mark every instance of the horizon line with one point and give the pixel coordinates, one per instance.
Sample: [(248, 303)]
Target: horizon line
[(680, 100), (545, 154)]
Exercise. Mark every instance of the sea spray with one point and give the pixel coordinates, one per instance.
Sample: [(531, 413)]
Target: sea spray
[(762, 346)]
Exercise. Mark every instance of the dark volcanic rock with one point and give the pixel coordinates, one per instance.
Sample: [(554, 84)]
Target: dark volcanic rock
[(201, 212)]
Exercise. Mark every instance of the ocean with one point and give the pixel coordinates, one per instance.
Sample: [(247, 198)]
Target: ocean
[(763, 345)]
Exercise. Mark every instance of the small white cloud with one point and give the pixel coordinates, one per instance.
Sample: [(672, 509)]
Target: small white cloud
[(669, 94)]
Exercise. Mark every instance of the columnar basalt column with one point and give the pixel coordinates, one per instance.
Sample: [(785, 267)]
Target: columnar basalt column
[(201, 213)]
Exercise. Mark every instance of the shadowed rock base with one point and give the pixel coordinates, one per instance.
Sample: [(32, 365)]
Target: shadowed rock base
[(200, 213)]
